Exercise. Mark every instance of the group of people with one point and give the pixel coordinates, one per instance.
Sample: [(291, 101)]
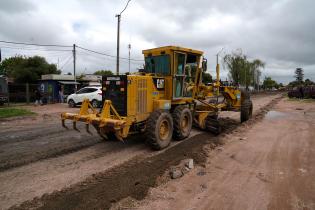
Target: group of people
[(39, 97)]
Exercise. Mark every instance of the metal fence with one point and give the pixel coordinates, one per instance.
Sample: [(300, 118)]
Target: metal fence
[(21, 93)]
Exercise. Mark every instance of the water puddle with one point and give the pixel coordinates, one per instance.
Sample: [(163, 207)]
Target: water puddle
[(271, 115)]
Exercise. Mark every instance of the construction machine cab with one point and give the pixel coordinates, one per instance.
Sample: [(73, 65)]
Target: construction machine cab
[(180, 66)]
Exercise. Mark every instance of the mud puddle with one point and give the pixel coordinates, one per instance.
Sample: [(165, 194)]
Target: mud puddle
[(273, 115)]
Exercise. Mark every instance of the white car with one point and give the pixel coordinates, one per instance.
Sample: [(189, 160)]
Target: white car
[(94, 94)]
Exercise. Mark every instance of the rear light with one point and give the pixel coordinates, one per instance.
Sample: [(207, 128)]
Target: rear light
[(99, 94), (117, 82), (107, 82)]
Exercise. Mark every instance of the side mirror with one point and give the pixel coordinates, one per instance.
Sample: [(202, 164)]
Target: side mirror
[(204, 64)]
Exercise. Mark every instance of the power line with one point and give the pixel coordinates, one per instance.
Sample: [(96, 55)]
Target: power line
[(43, 45), (125, 7), (108, 59), (112, 56), (16, 48), (67, 62), (54, 45)]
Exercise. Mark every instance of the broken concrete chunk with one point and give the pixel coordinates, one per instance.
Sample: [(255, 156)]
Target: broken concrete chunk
[(185, 170), (176, 173), (220, 149), (190, 163)]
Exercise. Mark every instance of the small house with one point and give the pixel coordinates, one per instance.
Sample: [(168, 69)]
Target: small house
[(51, 84)]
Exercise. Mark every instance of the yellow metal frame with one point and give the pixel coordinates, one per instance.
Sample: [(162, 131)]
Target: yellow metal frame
[(108, 119)]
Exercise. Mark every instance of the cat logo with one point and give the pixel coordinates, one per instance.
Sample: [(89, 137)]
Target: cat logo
[(160, 83)]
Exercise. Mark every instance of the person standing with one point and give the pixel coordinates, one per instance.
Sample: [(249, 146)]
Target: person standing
[(38, 100), (61, 96)]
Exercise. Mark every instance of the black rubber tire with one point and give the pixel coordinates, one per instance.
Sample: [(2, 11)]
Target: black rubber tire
[(152, 133), (94, 103), (213, 124), (179, 113), (245, 95), (71, 103), (246, 110)]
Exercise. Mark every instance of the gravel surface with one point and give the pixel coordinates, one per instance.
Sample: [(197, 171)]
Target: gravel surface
[(39, 159)]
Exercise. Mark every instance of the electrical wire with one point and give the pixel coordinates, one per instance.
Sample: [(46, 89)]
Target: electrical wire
[(112, 56), (54, 45), (66, 63), (31, 44), (16, 48), (125, 7), (109, 58)]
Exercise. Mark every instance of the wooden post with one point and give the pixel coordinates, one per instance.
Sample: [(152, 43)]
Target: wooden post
[(27, 93)]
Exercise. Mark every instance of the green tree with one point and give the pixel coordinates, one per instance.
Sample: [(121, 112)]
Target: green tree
[(27, 69), (206, 78), (269, 83), (104, 73), (241, 70), (299, 75), (294, 84), (308, 82), (255, 67)]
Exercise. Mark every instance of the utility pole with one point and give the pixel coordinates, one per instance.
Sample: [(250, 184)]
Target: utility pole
[(254, 79), (118, 42), (218, 68), (129, 48), (118, 36), (246, 78), (258, 81), (74, 65)]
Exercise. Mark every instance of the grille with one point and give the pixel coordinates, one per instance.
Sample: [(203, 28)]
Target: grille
[(142, 96)]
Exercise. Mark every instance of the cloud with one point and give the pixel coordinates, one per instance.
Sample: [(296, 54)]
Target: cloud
[(16, 6), (281, 33)]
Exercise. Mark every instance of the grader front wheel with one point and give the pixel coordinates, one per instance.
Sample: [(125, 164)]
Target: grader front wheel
[(182, 122), (159, 129), (246, 110), (246, 106)]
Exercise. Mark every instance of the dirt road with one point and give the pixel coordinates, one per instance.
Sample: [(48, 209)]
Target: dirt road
[(38, 157), (267, 166)]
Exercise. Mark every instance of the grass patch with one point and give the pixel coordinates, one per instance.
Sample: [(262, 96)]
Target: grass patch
[(307, 100), (14, 112)]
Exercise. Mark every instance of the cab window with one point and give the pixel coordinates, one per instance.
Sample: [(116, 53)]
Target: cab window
[(158, 64)]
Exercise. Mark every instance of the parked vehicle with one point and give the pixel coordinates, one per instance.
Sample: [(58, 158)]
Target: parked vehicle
[(93, 93)]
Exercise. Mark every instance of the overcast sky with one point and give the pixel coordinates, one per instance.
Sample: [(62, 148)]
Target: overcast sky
[(279, 32)]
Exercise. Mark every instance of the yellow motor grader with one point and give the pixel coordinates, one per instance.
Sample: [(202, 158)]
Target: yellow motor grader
[(163, 100)]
